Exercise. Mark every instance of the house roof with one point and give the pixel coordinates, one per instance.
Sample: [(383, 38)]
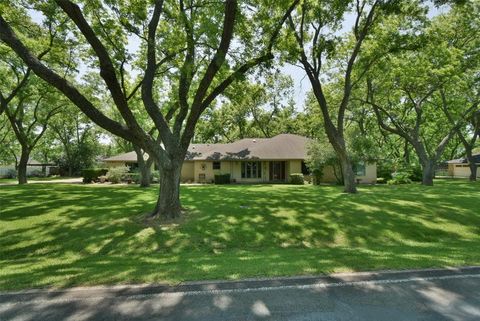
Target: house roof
[(283, 146), (464, 160), (125, 157)]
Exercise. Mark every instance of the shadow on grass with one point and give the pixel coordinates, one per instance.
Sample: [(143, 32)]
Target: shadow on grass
[(67, 235)]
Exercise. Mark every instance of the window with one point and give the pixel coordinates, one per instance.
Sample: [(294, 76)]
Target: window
[(216, 165), (251, 169), (359, 169)]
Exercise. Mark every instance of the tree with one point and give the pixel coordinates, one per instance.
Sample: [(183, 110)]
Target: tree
[(315, 46), (460, 102), (193, 43), (29, 119), (263, 108), (407, 91), (79, 140)]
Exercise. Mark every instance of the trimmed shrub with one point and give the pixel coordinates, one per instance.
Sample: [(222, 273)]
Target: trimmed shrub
[(116, 174), (296, 179), (92, 174), (222, 179)]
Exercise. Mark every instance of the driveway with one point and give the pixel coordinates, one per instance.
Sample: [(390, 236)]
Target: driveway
[(75, 180), (451, 294)]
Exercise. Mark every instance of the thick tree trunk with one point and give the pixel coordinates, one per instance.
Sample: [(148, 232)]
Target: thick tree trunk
[(428, 173), (338, 144), (473, 171), (348, 175), (144, 166), (471, 164), (22, 166), (144, 175), (168, 202)]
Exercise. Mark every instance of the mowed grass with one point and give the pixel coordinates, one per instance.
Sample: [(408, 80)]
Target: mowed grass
[(64, 235)]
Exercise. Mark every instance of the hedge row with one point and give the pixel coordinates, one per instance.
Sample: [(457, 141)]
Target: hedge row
[(222, 179)]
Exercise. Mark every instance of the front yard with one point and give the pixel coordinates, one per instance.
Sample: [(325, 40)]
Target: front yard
[(65, 235)]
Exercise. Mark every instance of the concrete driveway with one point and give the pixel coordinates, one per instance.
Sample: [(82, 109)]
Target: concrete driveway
[(452, 294), (74, 180)]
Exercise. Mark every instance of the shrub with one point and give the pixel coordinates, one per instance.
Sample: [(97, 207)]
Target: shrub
[(222, 179), (36, 173), (296, 179), (11, 173), (317, 176), (381, 180), (385, 170), (134, 177), (116, 174), (92, 174), (155, 176), (400, 178), (416, 173)]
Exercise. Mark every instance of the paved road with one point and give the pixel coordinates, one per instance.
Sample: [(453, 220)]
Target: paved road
[(408, 295)]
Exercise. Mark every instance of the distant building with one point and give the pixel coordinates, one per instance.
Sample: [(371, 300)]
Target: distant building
[(249, 160)]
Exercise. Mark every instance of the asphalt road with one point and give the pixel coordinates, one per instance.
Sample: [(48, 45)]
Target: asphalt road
[(452, 294)]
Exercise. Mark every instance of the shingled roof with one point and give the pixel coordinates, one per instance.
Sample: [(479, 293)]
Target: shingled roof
[(476, 157), (283, 146)]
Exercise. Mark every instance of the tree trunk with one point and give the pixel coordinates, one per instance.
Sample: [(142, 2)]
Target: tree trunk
[(22, 166), (428, 172), (144, 167), (168, 202), (144, 175), (472, 165), (473, 171), (348, 175)]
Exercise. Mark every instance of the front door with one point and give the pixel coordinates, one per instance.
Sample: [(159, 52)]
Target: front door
[(277, 171)]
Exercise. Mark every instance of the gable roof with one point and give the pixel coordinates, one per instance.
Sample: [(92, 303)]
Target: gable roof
[(283, 146), (476, 157)]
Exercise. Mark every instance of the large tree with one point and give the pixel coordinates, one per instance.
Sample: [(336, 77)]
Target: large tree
[(319, 52), (408, 90), (29, 115), (260, 108), (190, 39)]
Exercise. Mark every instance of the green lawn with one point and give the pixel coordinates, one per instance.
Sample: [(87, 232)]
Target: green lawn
[(64, 235)]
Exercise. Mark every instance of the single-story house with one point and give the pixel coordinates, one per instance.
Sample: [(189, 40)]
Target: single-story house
[(34, 167), (249, 160), (460, 167)]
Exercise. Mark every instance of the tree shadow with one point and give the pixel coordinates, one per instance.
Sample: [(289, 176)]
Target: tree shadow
[(70, 235)]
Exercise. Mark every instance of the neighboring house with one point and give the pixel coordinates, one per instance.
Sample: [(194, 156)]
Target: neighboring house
[(459, 167), (34, 167), (247, 160)]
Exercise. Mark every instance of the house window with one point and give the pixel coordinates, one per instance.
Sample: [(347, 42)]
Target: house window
[(251, 169), (359, 169), (216, 165)]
